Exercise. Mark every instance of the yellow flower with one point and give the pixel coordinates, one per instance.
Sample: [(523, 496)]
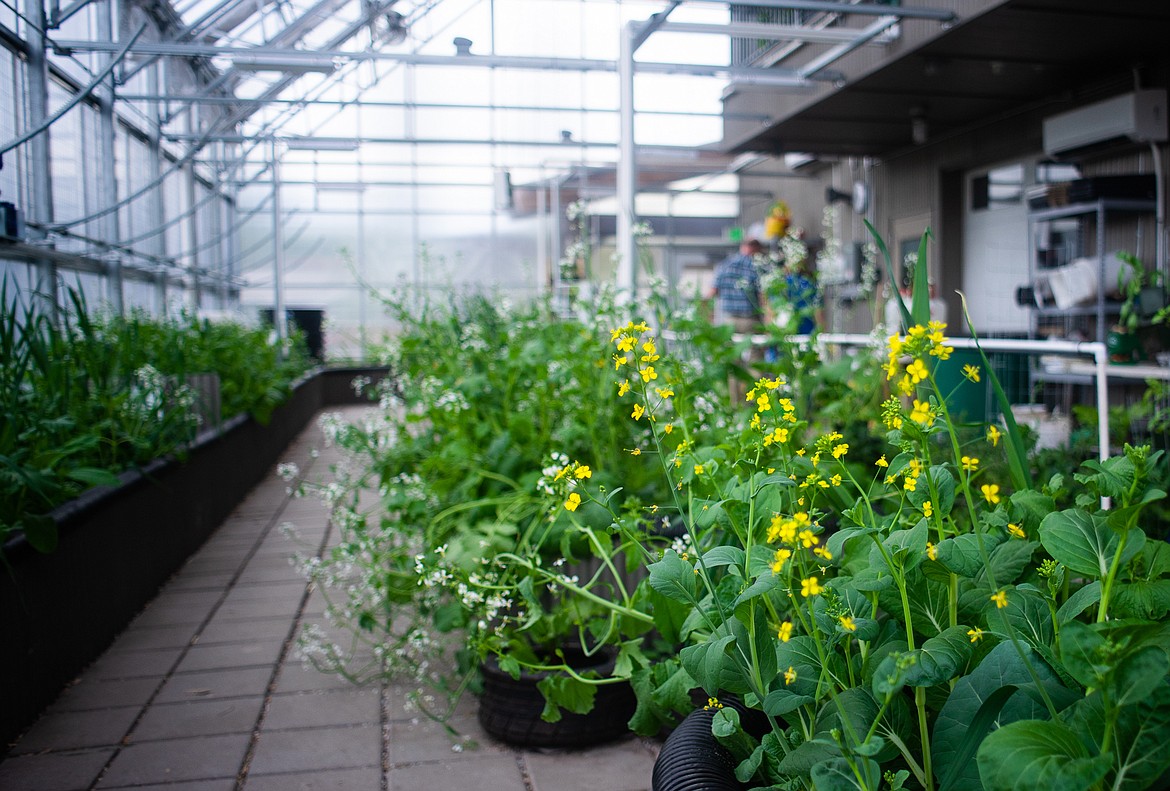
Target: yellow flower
[(916, 371), (664, 392), (836, 479), (882, 462), (1000, 599), (639, 410), (636, 452), (1016, 531), (969, 463), (778, 561), (990, 493), (573, 501), (840, 450), (583, 472), (649, 347), (623, 387), (618, 362), (910, 483), (698, 469), (993, 435), (922, 413), (931, 551), (668, 428), (561, 473), (763, 404), (927, 509), (810, 587), (847, 623), (785, 633), (824, 553), (789, 675), (712, 703), (807, 539), (971, 372), (626, 344), (648, 374), (975, 634)]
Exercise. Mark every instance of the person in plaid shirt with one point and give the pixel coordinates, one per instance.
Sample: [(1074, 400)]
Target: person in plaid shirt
[(740, 303)]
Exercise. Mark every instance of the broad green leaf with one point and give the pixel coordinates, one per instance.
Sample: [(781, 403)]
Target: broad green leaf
[(1112, 477), (940, 480), (1031, 754), (783, 701), (800, 761), (1141, 734), (1080, 601), (674, 578), (1032, 506), (861, 709), (726, 728), (565, 692), (1008, 562), (705, 662), (940, 658), (674, 691), (960, 555), (958, 727), (1083, 542), (1028, 613), (835, 774), (1148, 600), (907, 548), (724, 555), (749, 766), (1139, 674), (799, 653), (765, 583)]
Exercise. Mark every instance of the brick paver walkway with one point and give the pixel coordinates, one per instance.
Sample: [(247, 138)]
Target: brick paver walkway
[(203, 692)]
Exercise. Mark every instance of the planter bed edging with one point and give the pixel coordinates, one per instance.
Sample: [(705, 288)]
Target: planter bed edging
[(117, 546)]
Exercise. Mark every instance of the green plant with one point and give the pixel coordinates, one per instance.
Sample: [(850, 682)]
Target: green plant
[(1132, 280), (84, 396)]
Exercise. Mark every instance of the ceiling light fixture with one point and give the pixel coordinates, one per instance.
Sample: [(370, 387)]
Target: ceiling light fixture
[(291, 64), (321, 143)]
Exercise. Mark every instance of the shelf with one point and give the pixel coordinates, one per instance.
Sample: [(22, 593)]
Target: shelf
[(1092, 207), (1080, 372), (1111, 309)]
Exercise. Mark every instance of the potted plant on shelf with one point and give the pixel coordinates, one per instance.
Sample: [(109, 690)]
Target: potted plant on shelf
[(1142, 297)]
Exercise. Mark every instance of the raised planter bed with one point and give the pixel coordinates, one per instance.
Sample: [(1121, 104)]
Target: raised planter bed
[(118, 545)]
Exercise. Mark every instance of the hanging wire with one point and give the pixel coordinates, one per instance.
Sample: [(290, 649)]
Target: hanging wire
[(77, 97)]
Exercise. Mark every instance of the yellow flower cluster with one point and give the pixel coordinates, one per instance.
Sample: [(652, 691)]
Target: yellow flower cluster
[(918, 344)]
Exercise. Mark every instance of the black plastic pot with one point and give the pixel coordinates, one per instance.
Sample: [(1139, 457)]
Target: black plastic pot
[(692, 759), (509, 709)]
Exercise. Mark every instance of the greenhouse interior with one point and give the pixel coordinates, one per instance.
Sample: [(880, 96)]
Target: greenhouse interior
[(550, 395)]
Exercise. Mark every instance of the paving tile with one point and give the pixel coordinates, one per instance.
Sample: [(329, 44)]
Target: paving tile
[(223, 784), (235, 631), (399, 707), (157, 617), (291, 591), (421, 740), (77, 729), (317, 749), (144, 638), (483, 773), (295, 677), (624, 766), (336, 707), (132, 664), (215, 684), (259, 609), (368, 778), (89, 693), (198, 718), (53, 771), (209, 758), (214, 657)]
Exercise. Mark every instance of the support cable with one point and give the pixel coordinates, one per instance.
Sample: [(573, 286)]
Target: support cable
[(77, 97)]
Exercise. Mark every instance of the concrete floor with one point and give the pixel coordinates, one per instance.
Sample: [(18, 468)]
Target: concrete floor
[(203, 691)]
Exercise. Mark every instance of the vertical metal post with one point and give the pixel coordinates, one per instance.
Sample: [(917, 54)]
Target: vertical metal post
[(155, 198), (193, 238), (278, 311), (218, 263), (543, 272), (40, 175), (627, 168), (109, 177), (557, 216)]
